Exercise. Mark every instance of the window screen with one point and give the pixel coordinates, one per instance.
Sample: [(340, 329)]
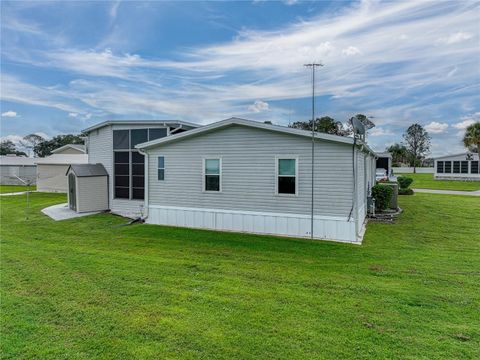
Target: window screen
[(456, 167), (122, 176), (212, 174), (474, 168), (440, 167), (138, 175), (464, 167), (286, 176), (161, 168), (157, 133), (448, 167), (138, 136), (121, 140)]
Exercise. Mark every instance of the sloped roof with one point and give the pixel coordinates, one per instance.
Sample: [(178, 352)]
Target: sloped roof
[(475, 156), (17, 160), (249, 123), (87, 170), (63, 159), (140, 122), (78, 147)]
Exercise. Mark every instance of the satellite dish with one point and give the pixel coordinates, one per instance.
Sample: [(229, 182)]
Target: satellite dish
[(358, 127)]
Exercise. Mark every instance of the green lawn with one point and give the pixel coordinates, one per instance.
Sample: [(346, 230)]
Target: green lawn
[(426, 181), (89, 288), (15, 188)]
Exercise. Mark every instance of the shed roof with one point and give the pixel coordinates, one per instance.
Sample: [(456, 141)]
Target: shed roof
[(249, 123), (79, 147), (87, 170), (140, 122), (17, 160), (63, 159)]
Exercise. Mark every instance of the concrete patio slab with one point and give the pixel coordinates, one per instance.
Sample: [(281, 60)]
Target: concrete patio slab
[(63, 212)]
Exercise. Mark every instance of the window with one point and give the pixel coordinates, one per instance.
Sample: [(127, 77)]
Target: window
[(138, 136), (121, 140), (138, 175), (456, 167), (474, 168), (212, 174), (464, 167), (448, 167), (161, 168), (122, 177), (154, 134), (287, 176), (440, 167)]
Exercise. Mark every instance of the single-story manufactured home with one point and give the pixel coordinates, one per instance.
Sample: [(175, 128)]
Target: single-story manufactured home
[(51, 169), (17, 170), (233, 175), (464, 166)]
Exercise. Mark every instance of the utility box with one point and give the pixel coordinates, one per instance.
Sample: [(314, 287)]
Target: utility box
[(394, 200)]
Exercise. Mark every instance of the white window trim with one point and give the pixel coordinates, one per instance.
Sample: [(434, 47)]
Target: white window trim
[(286, 157), (159, 168), (204, 158)]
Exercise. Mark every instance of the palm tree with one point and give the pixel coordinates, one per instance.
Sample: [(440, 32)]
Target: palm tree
[(471, 139)]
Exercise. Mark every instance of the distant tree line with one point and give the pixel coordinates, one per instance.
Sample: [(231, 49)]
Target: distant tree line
[(40, 146), (328, 125)]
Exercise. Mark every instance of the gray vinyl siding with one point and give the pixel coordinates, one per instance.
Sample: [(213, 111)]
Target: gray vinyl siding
[(52, 178), (248, 173), (92, 194), (8, 174)]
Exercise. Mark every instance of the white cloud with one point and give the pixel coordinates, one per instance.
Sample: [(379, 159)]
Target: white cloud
[(351, 50), (258, 106), (380, 131), (9, 113), (16, 139), (72, 114), (436, 127), (455, 38), (463, 124)]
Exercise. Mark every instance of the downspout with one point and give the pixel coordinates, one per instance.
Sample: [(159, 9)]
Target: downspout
[(354, 191), (145, 200)]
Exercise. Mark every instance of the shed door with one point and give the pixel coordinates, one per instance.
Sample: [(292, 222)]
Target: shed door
[(72, 199)]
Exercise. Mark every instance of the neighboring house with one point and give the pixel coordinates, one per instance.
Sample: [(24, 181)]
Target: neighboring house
[(51, 170), (384, 161), (112, 144), (16, 170), (464, 166), (246, 176)]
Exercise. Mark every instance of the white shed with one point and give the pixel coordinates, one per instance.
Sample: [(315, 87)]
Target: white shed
[(87, 187), (464, 166)]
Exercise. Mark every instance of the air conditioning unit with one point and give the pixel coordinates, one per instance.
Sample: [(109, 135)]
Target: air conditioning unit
[(371, 205)]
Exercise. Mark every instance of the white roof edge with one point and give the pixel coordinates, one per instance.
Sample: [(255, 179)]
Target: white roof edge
[(244, 122), (73, 146), (138, 122), (447, 156)]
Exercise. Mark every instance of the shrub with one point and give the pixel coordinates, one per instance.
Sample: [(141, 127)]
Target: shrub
[(383, 195), (404, 182), (405, 192)]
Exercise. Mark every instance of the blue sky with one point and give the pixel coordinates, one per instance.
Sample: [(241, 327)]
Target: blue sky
[(68, 65)]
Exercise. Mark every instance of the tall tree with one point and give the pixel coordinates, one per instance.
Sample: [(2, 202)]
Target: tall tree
[(418, 143), (325, 124), (8, 147), (45, 147), (29, 142), (399, 153), (471, 139)]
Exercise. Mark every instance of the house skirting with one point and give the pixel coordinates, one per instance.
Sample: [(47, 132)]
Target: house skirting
[(465, 177), (293, 225)]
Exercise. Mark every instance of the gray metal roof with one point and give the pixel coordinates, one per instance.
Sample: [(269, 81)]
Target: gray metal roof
[(86, 170), (140, 122)]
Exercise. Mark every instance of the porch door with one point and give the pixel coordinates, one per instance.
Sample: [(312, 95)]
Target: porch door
[(72, 200)]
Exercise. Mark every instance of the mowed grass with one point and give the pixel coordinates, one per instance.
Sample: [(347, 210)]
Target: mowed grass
[(15, 188), (426, 181), (92, 288)]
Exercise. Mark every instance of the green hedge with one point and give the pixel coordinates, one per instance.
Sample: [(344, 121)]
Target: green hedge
[(405, 192), (404, 182), (383, 195)]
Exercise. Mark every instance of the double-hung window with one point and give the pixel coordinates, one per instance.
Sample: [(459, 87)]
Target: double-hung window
[(464, 167), (161, 168), (286, 177), (448, 167), (212, 174), (474, 168), (440, 167)]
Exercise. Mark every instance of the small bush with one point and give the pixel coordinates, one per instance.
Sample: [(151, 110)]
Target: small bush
[(405, 192), (383, 195), (404, 182)]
